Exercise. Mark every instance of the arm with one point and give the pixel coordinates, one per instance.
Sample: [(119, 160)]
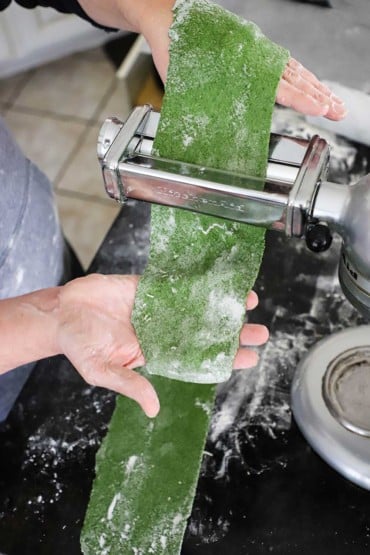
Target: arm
[(298, 88), (88, 320), (28, 328)]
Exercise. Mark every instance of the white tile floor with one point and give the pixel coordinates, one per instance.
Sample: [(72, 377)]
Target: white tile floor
[(55, 113)]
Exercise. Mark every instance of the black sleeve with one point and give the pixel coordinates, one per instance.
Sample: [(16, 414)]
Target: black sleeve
[(64, 6)]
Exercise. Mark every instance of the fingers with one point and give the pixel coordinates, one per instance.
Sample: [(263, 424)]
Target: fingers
[(248, 358), (138, 388), (130, 354), (253, 335), (123, 379), (130, 384), (252, 300), (245, 358), (250, 335), (301, 90)]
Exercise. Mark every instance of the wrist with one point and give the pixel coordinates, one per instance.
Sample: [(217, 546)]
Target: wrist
[(29, 328), (155, 28), (43, 309), (130, 15), (155, 19)]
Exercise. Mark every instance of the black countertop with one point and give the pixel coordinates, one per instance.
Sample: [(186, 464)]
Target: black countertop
[(261, 487)]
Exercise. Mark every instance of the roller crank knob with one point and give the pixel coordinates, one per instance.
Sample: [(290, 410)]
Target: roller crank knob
[(318, 237)]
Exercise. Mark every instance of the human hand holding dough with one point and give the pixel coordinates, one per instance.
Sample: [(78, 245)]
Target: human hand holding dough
[(96, 335), (301, 90), (298, 89)]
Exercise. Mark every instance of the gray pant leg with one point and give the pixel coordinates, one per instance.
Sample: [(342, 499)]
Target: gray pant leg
[(31, 242)]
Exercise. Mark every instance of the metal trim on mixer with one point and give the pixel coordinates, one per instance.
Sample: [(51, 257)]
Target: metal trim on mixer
[(346, 451)]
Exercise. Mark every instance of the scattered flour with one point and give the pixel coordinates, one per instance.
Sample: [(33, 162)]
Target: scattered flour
[(131, 463), (213, 226), (112, 506), (204, 406)]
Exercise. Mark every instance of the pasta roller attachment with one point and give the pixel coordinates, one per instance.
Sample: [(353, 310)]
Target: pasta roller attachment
[(294, 198)]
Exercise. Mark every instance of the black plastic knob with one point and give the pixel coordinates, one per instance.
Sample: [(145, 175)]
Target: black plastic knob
[(318, 237)]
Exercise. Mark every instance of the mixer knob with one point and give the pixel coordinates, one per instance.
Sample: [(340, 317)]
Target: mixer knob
[(318, 237)]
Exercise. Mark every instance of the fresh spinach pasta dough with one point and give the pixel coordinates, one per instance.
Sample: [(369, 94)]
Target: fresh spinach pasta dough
[(147, 472), (219, 96), (217, 112)]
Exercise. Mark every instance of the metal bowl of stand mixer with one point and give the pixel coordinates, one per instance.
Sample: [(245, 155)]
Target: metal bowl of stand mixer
[(331, 402)]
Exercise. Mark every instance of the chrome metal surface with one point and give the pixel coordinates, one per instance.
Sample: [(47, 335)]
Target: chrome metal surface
[(233, 197), (131, 172), (114, 148), (346, 389), (355, 285), (352, 224), (346, 208), (325, 399), (285, 153), (108, 132), (330, 203), (313, 169)]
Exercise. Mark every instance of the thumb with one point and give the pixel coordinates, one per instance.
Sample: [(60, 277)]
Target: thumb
[(130, 355), (129, 383)]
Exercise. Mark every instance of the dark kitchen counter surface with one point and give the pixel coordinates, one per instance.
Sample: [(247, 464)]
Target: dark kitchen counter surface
[(262, 489)]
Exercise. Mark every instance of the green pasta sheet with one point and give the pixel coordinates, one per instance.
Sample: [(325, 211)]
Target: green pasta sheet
[(217, 112), (147, 472)]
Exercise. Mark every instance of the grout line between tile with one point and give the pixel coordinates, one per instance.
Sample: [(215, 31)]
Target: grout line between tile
[(71, 157), (105, 99), (90, 123), (85, 196), (21, 85), (48, 114)]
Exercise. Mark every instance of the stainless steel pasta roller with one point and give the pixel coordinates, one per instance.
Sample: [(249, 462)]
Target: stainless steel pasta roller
[(295, 198)]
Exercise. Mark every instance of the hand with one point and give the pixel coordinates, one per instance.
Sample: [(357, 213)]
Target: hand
[(301, 90), (298, 88), (250, 335), (96, 335)]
